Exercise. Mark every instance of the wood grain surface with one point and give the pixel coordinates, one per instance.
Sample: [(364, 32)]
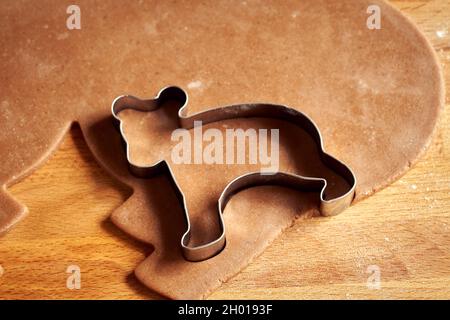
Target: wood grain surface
[(402, 231)]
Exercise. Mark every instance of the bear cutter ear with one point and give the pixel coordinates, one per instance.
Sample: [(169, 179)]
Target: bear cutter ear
[(172, 93), (167, 94)]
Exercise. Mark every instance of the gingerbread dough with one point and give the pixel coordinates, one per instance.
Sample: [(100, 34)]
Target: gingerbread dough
[(374, 94)]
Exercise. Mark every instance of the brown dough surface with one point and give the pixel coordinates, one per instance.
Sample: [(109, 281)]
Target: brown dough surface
[(375, 95)]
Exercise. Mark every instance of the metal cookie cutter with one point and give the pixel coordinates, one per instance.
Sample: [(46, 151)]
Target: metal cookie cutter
[(328, 207)]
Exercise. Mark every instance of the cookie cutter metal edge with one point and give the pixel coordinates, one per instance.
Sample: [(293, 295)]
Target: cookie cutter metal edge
[(327, 207)]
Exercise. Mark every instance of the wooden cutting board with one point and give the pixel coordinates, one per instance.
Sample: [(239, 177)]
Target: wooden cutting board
[(402, 230)]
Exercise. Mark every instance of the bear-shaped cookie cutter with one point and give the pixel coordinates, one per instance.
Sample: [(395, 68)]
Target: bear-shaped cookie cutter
[(327, 207)]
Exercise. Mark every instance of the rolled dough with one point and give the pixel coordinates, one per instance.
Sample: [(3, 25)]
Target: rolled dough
[(375, 95)]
